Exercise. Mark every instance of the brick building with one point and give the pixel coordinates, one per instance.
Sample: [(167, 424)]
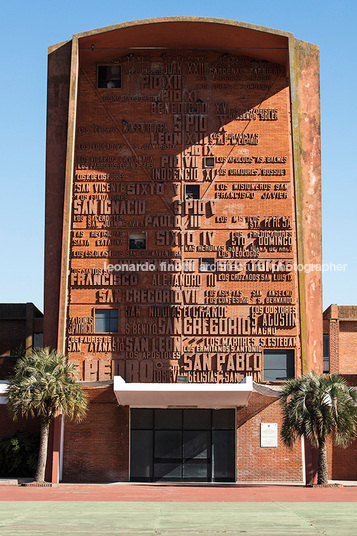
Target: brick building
[(182, 194), (340, 340), (340, 357), (21, 330)]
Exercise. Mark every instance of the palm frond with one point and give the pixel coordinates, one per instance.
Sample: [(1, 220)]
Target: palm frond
[(43, 384), (317, 405)]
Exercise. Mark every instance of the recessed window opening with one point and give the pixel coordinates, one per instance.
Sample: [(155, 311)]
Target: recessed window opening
[(137, 241), (192, 191), (106, 320), (109, 76), (278, 365), (207, 264)]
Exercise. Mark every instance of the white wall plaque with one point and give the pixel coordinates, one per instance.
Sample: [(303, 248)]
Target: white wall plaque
[(268, 434)]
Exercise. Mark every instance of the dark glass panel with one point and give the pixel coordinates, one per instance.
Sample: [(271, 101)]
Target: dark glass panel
[(168, 444), (142, 419), (192, 191), (196, 419), (223, 454), (278, 364), (199, 471), (169, 453), (106, 320), (141, 454), (168, 471), (168, 419), (223, 419), (196, 444)]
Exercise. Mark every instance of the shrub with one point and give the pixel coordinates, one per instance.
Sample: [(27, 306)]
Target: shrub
[(18, 454)]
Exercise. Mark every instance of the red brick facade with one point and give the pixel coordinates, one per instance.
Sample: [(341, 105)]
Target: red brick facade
[(182, 149), (20, 324), (255, 463), (340, 326), (21, 328), (8, 426), (97, 450)]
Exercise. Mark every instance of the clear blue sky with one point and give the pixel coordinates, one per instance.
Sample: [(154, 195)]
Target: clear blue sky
[(28, 28)]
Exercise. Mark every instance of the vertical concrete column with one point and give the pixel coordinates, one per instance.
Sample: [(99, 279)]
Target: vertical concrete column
[(311, 463), (54, 448), (59, 61), (305, 104)]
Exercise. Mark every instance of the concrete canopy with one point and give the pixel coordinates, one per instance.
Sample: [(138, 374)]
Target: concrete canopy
[(183, 395), (186, 33)]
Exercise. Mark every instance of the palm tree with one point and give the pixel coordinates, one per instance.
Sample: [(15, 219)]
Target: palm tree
[(316, 406), (43, 385)]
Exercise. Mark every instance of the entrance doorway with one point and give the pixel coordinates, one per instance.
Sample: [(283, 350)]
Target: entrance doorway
[(182, 445)]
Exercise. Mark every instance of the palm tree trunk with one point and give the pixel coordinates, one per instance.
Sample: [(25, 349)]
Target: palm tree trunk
[(42, 455), (322, 467)]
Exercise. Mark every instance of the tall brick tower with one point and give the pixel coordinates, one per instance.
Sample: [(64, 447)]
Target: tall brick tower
[(182, 204)]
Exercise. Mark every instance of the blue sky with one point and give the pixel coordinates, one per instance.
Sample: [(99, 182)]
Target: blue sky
[(28, 28)]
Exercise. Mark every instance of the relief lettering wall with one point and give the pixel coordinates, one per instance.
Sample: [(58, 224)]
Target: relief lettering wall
[(183, 218)]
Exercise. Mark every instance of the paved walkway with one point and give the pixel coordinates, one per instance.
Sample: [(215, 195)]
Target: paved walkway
[(155, 510), (229, 493)]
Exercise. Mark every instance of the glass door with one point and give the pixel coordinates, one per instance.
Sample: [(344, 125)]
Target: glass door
[(182, 445)]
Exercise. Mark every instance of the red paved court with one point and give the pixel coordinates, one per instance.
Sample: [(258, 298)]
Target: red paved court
[(181, 493)]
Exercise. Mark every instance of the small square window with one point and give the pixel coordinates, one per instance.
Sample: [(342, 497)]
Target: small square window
[(109, 76), (192, 191), (137, 241), (209, 161), (278, 365), (106, 321), (207, 265)]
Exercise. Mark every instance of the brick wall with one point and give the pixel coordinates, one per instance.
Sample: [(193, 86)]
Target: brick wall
[(343, 462), (348, 347), (255, 463), (8, 426), (12, 334), (223, 86), (99, 124), (340, 323), (97, 449)]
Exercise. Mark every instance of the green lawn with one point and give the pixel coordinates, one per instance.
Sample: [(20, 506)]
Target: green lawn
[(169, 519)]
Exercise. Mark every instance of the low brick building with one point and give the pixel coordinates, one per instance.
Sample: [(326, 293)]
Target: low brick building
[(21, 330), (340, 339), (340, 357)]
